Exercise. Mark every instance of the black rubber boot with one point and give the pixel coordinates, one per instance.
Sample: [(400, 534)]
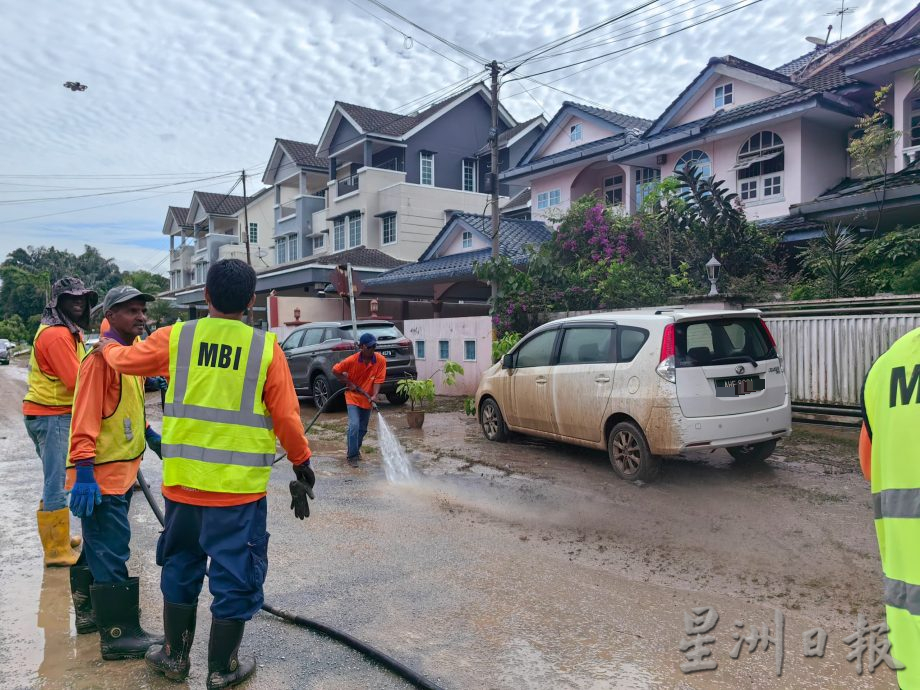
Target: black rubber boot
[(171, 658), (225, 669), (80, 581), (118, 616)]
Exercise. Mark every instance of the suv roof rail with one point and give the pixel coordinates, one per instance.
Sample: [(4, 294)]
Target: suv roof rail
[(658, 312)]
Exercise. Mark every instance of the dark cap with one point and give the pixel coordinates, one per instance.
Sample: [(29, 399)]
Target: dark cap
[(123, 293), (73, 287), (368, 339)]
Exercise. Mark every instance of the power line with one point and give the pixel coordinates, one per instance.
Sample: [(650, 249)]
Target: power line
[(735, 8), (407, 36), (582, 33), (460, 49), (10, 202)]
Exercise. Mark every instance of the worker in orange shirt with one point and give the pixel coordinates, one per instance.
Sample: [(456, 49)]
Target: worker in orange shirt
[(53, 363), (230, 395), (107, 440), (363, 373)]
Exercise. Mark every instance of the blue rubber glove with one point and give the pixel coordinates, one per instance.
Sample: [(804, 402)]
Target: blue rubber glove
[(154, 441), (85, 494), (162, 383)]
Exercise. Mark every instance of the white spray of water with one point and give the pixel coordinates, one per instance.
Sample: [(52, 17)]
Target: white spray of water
[(395, 461)]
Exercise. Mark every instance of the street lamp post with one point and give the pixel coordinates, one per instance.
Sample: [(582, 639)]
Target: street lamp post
[(713, 268)]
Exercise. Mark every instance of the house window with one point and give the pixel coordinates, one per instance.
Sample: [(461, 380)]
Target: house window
[(550, 198), (469, 350), (469, 176), (646, 179), (698, 159), (253, 233), (292, 248), (338, 235), (575, 133), (914, 120), (201, 272), (760, 166), (613, 190), (388, 230), (443, 349), (420, 349), (354, 231), (319, 242), (466, 239), (426, 166), (723, 95), (281, 250)]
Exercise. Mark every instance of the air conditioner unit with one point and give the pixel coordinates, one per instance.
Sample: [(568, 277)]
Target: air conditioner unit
[(661, 159)]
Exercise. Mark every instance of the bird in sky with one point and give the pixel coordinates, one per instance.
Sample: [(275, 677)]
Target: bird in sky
[(74, 86)]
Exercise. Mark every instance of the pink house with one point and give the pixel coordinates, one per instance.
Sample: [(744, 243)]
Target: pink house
[(569, 160)]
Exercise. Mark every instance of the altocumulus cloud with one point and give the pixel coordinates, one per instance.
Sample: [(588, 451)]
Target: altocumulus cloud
[(194, 86)]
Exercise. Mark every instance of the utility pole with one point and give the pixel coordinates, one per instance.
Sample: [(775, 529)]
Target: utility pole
[(493, 173), (246, 219)]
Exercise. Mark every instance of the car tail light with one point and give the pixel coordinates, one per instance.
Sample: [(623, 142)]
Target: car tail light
[(344, 345), (772, 341), (405, 342), (667, 362)]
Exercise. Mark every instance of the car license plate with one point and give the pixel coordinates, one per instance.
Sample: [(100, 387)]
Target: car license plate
[(387, 353), (743, 385)]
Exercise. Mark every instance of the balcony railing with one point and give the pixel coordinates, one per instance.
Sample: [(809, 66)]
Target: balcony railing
[(288, 209), (346, 185)]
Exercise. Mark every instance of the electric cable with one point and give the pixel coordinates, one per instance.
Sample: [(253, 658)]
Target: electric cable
[(388, 662), (735, 8)]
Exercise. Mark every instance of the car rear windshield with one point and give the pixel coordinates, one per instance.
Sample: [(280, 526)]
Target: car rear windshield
[(721, 341), (383, 331)]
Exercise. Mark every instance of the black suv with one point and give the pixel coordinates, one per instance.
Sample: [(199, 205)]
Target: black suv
[(313, 350)]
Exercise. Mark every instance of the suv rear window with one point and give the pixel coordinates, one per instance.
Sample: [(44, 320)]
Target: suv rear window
[(383, 331), (721, 341)]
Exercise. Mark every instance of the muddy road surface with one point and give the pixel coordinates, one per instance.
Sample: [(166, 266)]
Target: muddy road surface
[(519, 565)]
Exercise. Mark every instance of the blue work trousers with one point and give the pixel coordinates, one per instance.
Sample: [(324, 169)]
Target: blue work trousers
[(106, 539), (51, 436), (235, 539), (358, 418)]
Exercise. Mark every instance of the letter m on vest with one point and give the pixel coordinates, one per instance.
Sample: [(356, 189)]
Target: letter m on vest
[(901, 391), (217, 433)]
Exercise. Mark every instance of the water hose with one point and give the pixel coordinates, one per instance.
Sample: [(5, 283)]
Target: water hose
[(384, 660)]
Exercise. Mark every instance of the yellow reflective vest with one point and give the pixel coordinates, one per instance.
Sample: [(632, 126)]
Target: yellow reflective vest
[(45, 389), (217, 432), (121, 434), (891, 401)]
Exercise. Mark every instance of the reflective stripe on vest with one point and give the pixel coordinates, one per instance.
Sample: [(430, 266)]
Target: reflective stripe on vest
[(49, 390), (121, 434), (891, 397), (217, 433)]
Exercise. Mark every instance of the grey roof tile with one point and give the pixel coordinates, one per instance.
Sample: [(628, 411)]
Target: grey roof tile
[(885, 49), (303, 154), (179, 214), (509, 133), (629, 122), (220, 204), (592, 148)]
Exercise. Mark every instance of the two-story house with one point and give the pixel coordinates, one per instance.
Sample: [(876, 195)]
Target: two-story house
[(181, 247), (298, 178), (569, 160), (394, 179)]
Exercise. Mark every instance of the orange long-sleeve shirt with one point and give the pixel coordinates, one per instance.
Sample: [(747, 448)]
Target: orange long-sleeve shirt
[(56, 354), (362, 374), (151, 358), (865, 452), (98, 396)]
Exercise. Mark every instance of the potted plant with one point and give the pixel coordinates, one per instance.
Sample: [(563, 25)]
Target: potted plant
[(419, 392)]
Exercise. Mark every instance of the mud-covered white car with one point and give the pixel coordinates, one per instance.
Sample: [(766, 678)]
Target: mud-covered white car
[(643, 384)]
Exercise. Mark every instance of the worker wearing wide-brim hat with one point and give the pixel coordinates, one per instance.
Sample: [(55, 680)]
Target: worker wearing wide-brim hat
[(230, 397), (57, 350), (108, 437)]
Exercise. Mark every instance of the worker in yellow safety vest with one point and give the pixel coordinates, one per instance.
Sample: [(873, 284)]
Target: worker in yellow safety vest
[(57, 351), (889, 453), (230, 395)]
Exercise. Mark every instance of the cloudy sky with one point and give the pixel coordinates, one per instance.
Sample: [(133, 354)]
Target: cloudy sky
[(182, 92)]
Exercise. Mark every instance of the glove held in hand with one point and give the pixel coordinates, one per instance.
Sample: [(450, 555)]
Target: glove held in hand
[(301, 488), (85, 494)]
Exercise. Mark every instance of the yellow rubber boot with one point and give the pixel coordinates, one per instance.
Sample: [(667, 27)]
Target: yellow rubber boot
[(54, 530), (75, 541)]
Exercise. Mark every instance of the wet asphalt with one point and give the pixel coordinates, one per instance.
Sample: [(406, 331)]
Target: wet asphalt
[(479, 576)]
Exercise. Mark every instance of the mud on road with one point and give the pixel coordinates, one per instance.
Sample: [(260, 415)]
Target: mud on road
[(518, 565)]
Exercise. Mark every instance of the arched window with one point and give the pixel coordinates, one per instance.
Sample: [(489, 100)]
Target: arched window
[(698, 158), (760, 166)]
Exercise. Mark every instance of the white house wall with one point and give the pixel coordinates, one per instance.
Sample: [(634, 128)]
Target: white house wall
[(456, 332)]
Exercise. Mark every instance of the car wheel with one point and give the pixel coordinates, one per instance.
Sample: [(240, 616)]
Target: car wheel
[(397, 398), (492, 422), (629, 453), (320, 390), (753, 452)]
